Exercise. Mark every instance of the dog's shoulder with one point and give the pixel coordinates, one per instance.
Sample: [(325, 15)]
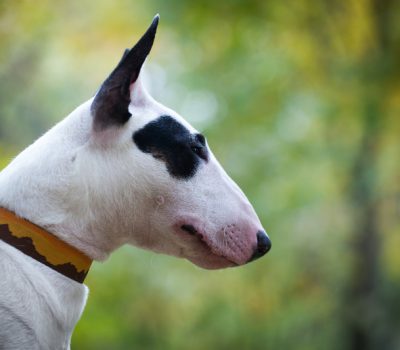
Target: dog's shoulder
[(15, 332), (32, 303)]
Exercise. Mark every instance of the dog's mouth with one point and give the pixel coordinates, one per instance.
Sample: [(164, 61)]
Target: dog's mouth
[(213, 259), (191, 230)]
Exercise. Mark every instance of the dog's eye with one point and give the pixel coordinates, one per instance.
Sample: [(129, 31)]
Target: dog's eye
[(198, 146), (197, 150), (200, 138), (200, 151)]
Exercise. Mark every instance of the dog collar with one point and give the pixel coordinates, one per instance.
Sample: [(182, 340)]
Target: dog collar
[(43, 246)]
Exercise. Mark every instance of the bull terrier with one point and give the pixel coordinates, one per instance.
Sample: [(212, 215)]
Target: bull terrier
[(120, 169)]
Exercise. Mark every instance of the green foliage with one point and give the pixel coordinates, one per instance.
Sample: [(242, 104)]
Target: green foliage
[(300, 102)]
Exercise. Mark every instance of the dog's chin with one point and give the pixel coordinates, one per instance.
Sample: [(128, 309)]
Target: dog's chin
[(211, 262), (198, 251)]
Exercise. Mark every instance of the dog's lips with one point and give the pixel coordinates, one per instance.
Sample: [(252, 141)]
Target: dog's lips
[(210, 259), (190, 229)]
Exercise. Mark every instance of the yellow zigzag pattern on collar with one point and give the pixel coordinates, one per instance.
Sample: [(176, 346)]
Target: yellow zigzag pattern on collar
[(43, 246)]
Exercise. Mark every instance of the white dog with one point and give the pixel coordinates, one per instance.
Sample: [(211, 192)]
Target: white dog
[(120, 169)]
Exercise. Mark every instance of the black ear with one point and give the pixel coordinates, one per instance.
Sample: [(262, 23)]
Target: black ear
[(110, 105), (123, 56)]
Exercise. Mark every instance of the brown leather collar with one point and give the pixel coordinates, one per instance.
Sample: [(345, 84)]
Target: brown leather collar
[(43, 246)]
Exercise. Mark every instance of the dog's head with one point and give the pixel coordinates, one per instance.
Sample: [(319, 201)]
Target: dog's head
[(163, 176)]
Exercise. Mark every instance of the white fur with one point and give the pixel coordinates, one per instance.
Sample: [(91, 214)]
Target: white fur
[(98, 191)]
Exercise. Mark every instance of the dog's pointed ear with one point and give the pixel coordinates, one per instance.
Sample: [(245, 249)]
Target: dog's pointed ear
[(110, 105), (123, 56)]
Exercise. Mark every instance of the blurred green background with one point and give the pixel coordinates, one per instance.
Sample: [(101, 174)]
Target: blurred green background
[(300, 101)]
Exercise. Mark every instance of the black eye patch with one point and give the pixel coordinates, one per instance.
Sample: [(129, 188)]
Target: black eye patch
[(169, 141)]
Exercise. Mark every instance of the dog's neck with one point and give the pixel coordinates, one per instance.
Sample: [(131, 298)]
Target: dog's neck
[(45, 186)]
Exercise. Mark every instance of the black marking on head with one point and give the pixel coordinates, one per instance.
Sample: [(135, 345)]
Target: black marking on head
[(169, 141), (110, 105)]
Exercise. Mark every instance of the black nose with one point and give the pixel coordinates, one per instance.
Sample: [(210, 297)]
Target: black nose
[(263, 245)]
